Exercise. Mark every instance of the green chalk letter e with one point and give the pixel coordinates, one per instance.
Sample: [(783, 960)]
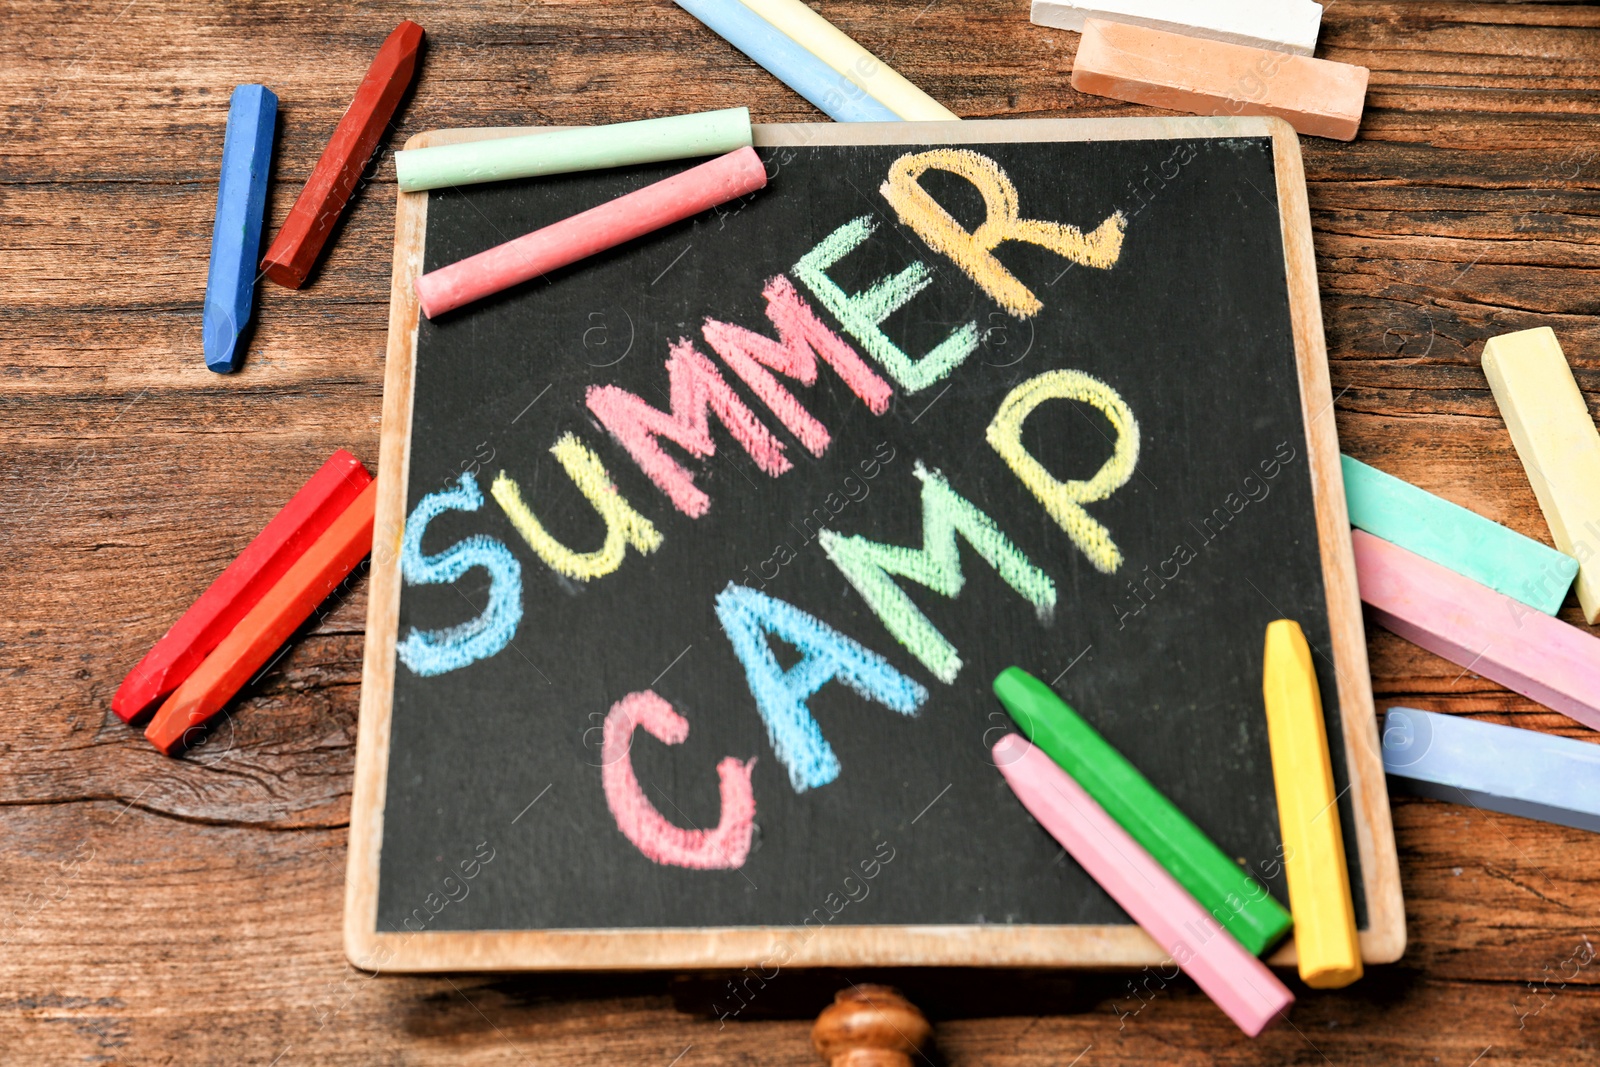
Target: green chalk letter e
[(862, 314)]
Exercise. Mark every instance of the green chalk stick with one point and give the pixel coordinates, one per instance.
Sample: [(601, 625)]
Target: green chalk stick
[(1238, 902), (560, 151), (1451, 536)]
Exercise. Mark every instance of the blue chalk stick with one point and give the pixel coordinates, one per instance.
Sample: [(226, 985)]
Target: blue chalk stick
[(1451, 536), (790, 63), (236, 237), (1499, 768)]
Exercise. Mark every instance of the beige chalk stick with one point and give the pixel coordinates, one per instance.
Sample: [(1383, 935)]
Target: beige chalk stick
[(1557, 442), (1180, 73)]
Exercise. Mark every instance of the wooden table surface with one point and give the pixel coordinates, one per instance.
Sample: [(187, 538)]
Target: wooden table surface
[(188, 911)]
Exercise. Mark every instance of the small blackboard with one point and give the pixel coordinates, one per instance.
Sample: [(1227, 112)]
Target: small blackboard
[(695, 560)]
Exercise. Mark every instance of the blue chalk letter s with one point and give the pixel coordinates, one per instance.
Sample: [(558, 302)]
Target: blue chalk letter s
[(430, 652)]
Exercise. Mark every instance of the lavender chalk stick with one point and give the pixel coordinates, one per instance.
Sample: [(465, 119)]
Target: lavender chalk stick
[(1499, 768)]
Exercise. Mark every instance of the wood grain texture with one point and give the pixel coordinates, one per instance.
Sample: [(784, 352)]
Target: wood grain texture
[(1468, 207)]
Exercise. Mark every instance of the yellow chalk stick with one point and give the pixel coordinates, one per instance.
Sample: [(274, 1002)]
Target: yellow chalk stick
[(1308, 814), (1557, 443), (838, 50)]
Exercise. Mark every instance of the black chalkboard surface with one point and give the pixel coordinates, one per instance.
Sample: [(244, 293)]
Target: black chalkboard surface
[(1103, 451)]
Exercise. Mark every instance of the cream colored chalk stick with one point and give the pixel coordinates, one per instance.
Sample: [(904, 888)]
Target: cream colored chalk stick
[(1281, 25), (1557, 443), (1203, 77), (840, 51)]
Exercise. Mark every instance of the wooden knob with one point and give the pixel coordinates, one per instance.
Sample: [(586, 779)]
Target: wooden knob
[(870, 1026)]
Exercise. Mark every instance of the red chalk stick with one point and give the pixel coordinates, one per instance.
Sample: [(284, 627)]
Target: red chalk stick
[(322, 201), (634, 215), (241, 585), (262, 632)]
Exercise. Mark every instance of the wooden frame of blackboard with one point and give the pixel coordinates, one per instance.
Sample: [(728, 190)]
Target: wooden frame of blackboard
[(1105, 946)]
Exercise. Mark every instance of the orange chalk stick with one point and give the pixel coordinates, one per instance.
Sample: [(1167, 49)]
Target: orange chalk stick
[(1180, 73), (268, 625), (241, 586)]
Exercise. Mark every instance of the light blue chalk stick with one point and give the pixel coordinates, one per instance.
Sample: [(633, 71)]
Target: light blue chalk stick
[(1452, 536), (236, 236), (1499, 768), (790, 63)]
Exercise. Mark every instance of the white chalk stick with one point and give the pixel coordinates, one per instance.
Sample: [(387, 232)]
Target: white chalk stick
[(1281, 25)]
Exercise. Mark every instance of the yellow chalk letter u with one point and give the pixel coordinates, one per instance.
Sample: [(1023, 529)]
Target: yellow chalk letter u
[(624, 526)]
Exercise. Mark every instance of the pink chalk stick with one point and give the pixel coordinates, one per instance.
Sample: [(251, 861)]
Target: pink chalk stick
[(1225, 970), (1487, 632), (634, 215)]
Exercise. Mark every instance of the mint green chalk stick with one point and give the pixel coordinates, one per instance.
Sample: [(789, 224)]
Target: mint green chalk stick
[(560, 151), (1451, 536)]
